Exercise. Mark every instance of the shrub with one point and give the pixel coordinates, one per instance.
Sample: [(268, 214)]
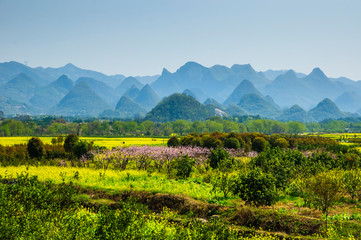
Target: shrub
[(257, 188), (217, 155), (259, 144), (211, 142), (183, 166), (322, 191), (35, 148), (352, 183), (173, 142), (232, 143), (281, 143), (70, 142)]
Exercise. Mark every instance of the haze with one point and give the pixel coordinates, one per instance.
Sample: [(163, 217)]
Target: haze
[(141, 37)]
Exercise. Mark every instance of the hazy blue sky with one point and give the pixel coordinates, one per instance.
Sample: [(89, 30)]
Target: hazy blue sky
[(134, 37)]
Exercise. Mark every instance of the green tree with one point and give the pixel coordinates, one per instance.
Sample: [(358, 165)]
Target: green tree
[(173, 142), (35, 148), (70, 142), (257, 188), (181, 126), (217, 156), (183, 166), (323, 191), (259, 144)]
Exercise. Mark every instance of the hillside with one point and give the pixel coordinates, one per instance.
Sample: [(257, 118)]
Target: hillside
[(245, 87), (147, 98), (127, 109), (80, 101), (257, 105), (326, 109), (178, 106), (294, 113)]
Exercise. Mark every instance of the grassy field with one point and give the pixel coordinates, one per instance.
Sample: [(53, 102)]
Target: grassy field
[(99, 141), (116, 181)]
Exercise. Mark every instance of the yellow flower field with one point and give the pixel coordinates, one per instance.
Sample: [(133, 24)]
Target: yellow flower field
[(99, 141)]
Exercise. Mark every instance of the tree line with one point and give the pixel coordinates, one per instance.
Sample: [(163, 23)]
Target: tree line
[(94, 127)]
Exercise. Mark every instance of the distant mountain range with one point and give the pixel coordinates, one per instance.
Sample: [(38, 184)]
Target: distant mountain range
[(204, 92)]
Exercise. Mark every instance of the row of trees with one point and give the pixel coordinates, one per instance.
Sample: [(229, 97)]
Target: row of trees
[(54, 127)]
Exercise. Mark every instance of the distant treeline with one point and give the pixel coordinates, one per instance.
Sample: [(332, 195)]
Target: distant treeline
[(54, 126)]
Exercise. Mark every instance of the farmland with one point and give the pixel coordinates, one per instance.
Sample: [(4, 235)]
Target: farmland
[(203, 186), (108, 142)]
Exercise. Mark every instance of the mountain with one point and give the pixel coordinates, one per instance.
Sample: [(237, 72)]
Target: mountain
[(294, 113), (349, 101), (255, 104), (245, 87), (147, 98), (132, 92), (9, 70), (326, 109), (128, 109), (273, 74), (75, 72), (80, 100), (246, 71), (10, 107), (128, 83), (166, 84), (147, 79), (178, 106), (21, 88), (190, 93), (212, 101), (50, 95), (235, 110), (107, 93), (288, 89), (192, 76)]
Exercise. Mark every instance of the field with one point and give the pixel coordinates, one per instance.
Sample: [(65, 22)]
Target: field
[(99, 141), (272, 190)]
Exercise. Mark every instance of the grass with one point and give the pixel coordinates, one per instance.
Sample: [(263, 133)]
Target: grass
[(116, 181), (99, 141)]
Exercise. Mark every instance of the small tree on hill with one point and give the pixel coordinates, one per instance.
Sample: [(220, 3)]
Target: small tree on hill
[(35, 148)]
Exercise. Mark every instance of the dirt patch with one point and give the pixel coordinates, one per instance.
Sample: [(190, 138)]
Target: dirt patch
[(157, 201)]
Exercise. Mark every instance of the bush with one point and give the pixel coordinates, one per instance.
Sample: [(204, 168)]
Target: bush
[(183, 166), (173, 142), (232, 143), (81, 148), (281, 143), (211, 142), (257, 188), (217, 155), (70, 142), (35, 148), (259, 144), (352, 183)]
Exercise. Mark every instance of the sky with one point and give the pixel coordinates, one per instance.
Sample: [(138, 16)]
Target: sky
[(140, 37)]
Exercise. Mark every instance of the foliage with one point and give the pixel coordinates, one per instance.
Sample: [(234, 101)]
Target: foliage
[(259, 144), (35, 148), (352, 183), (256, 188), (183, 166), (323, 191), (173, 142), (217, 156), (70, 142)]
